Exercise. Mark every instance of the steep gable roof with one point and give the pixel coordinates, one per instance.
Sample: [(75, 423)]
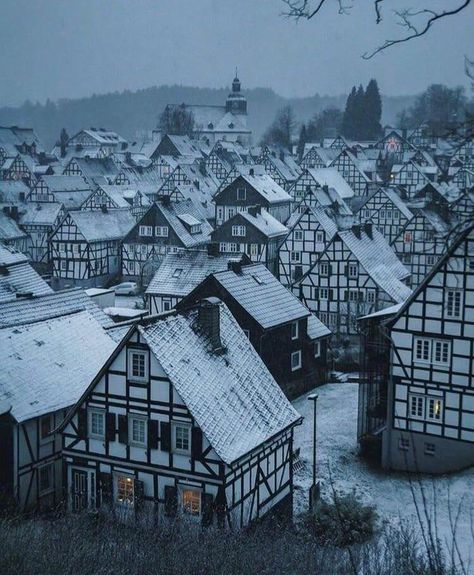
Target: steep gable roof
[(101, 226)]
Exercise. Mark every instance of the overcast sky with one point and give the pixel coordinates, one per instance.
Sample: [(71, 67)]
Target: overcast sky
[(71, 48)]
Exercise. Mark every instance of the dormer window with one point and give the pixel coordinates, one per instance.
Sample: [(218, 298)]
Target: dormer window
[(196, 229)]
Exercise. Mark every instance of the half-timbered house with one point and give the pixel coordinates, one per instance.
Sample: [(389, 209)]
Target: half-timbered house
[(98, 138), (115, 197), (184, 421), (39, 220), (358, 273), (20, 167), (46, 366), (85, 248), (317, 157), (430, 416), (254, 232), (165, 227), (348, 165), (409, 176), (250, 190), (181, 272), (95, 171), (70, 191), (10, 233), (280, 165)]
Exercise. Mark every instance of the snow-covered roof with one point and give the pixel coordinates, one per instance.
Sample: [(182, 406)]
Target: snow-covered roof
[(10, 191), (47, 365), (9, 255), (180, 273), (262, 296), (49, 305), (379, 261), (232, 396), (101, 226), (392, 310), (9, 229), (40, 214), (265, 223), (101, 136), (17, 278), (331, 178), (61, 183), (316, 328), (266, 186)]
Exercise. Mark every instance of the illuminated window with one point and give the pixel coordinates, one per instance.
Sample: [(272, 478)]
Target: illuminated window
[(435, 407), (191, 502), (125, 490), (181, 437)]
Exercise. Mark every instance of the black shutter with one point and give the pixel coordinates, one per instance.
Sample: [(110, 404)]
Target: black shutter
[(220, 506), (361, 296), (207, 509), (316, 293), (346, 271), (171, 501), (110, 426), (196, 445), (123, 428), (344, 295), (82, 423), (331, 294), (153, 434), (138, 492), (105, 481), (165, 436)]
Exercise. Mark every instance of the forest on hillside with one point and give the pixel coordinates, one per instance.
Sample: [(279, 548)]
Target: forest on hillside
[(134, 113)]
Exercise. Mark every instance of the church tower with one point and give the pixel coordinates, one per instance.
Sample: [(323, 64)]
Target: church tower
[(236, 101)]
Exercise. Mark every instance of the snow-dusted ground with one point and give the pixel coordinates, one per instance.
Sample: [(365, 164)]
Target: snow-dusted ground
[(128, 300), (337, 454)]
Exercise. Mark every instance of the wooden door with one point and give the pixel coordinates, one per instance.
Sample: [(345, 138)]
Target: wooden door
[(79, 490)]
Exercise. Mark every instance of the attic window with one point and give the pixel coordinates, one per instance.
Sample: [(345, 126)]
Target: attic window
[(196, 229), (210, 126), (258, 280), (177, 272), (231, 125)]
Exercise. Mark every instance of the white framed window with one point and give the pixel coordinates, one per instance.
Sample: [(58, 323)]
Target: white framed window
[(323, 293), (353, 270), (416, 406), (46, 480), (233, 248), (434, 409), (396, 215), (453, 303), (124, 490), (370, 296), (239, 231), (294, 330), (317, 349), (161, 231), (166, 304), (63, 265), (222, 247), (190, 501), (46, 426), (436, 351), (324, 269), (220, 213), (354, 295), (75, 248), (137, 430), (231, 212), (145, 231), (382, 214), (96, 423), (295, 257), (298, 235), (425, 407), (296, 360), (137, 365), (441, 352), (422, 350), (254, 249), (181, 437), (407, 237), (241, 194), (430, 260), (319, 237)]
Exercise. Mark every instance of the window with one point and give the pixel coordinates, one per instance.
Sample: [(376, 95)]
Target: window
[(406, 258), (137, 365), (434, 409), (161, 231), (422, 349), (166, 304), (46, 478), (177, 272), (241, 194), (295, 257), (233, 248), (254, 249), (396, 215), (407, 238), (353, 295), (239, 231), (370, 296), (388, 214), (97, 423), (425, 407), (367, 214), (441, 352), (296, 360), (46, 426), (417, 407), (430, 449), (453, 303), (403, 444), (181, 438), (353, 270), (294, 330), (125, 490), (317, 349), (137, 430), (324, 269), (231, 212), (63, 265), (323, 293), (191, 501), (298, 235), (220, 213), (382, 214), (145, 231), (430, 260), (320, 237), (247, 333)]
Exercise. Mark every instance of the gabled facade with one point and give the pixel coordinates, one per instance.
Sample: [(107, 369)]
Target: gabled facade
[(156, 442), (19, 168), (280, 166), (357, 274), (39, 221), (312, 179), (430, 413), (347, 165), (409, 177), (71, 191)]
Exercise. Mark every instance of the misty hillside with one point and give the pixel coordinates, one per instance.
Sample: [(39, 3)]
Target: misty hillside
[(132, 113)]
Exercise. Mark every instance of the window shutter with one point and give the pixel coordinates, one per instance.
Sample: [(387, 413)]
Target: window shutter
[(331, 294), (346, 271), (344, 295), (106, 487), (171, 501), (220, 506), (110, 426), (361, 295), (153, 434), (139, 492), (207, 509), (123, 428), (165, 436), (196, 445), (82, 423), (316, 293)]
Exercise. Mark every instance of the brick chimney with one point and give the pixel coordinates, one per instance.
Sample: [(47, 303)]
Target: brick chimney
[(209, 321), (235, 266), (254, 210)]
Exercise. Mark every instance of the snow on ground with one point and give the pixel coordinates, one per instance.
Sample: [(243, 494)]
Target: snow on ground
[(128, 301), (337, 453)]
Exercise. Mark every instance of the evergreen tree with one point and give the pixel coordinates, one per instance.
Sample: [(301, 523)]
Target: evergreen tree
[(360, 116), (373, 111), (280, 132), (347, 127), (301, 142), (177, 120), (63, 140)]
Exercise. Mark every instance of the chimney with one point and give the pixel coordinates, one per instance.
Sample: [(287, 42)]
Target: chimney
[(164, 200), (368, 229), (235, 266), (24, 294), (203, 167), (103, 207), (251, 172), (254, 210), (326, 188), (356, 230), (213, 249), (209, 321)]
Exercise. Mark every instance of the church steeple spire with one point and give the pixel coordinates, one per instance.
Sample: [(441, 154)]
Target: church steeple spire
[(236, 101), (236, 82)]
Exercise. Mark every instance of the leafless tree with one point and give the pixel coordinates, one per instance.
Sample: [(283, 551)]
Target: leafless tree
[(416, 22)]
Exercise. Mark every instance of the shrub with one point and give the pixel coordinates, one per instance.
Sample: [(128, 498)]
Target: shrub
[(343, 521)]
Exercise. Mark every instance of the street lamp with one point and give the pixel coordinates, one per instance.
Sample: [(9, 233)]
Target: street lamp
[(315, 488)]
